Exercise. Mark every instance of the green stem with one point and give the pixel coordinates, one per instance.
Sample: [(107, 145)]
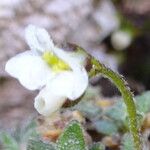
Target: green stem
[(126, 94)]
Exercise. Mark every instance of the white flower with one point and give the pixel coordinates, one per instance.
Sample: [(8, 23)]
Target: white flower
[(121, 40), (58, 74)]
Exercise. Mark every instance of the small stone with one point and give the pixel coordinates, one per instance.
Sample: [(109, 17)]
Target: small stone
[(112, 142), (78, 116), (104, 103), (146, 123)]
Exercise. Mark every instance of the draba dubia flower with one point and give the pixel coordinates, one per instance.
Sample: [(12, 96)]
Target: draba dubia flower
[(59, 75)]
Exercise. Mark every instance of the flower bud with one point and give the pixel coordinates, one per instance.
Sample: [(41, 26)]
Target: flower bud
[(121, 40)]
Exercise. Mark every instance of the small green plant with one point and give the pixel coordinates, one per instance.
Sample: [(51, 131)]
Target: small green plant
[(62, 76), (17, 139), (118, 80), (71, 139)]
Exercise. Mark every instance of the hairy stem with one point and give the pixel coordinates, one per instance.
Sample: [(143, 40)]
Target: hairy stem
[(126, 94)]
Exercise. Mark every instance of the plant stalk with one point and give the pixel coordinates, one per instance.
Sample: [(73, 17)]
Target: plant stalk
[(127, 95)]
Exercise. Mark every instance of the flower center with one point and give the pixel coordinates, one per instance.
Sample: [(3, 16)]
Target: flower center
[(57, 64)]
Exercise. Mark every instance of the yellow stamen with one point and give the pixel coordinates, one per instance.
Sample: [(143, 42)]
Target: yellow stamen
[(57, 64)]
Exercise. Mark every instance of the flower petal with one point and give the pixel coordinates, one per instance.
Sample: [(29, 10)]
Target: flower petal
[(29, 69), (69, 84), (64, 85), (79, 76), (48, 102), (38, 39), (80, 84)]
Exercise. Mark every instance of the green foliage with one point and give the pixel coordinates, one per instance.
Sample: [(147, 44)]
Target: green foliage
[(22, 133), (118, 113), (9, 143), (87, 105), (106, 126), (143, 102), (72, 138), (89, 109), (19, 137), (107, 121), (35, 144), (114, 119), (127, 142), (97, 146)]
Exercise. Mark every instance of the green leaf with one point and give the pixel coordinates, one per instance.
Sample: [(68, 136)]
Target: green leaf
[(22, 133), (72, 138), (127, 142), (29, 131), (89, 109), (34, 144), (97, 146), (107, 127), (8, 142), (118, 113), (87, 105), (143, 102)]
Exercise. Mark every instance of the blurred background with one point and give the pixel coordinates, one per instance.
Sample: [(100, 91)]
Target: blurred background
[(117, 32)]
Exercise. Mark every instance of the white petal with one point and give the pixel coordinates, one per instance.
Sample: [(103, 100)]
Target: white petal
[(79, 76), (80, 84), (38, 39), (64, 85), (69, 84), (29, 69), (47, 102)]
